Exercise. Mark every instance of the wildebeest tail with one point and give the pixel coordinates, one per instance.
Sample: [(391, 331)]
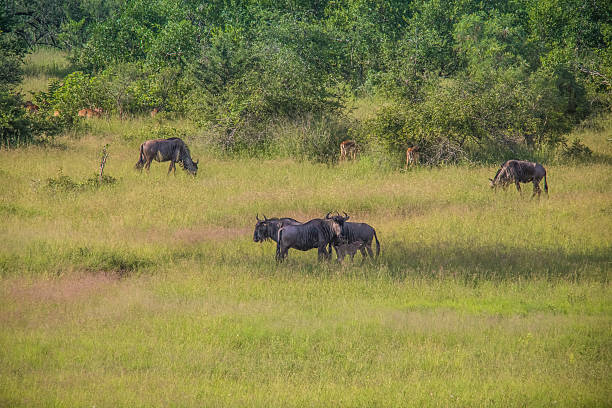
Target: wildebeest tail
[(545, 184), (141, 159), (278, 242), (377, 244)]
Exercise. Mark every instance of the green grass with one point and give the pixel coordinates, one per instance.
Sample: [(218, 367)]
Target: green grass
[(41, 66), (150, 291)]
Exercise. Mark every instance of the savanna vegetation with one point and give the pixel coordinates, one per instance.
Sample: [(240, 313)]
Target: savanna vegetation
[(147, 290)]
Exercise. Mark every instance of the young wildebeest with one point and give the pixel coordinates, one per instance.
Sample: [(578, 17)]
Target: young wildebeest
[(519, 171), (161, 150), (317, 233), (357, 231), (344, 248), (268, 228)]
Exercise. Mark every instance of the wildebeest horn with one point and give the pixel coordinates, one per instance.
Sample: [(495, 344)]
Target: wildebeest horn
[(265, 218), (257, 216), (327, 216), (346, 216), (197, 161)]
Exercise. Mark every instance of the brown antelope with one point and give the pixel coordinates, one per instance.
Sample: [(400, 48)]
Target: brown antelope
[(154, 112), (348, 149), (30, 107), (412, 156), (90, 113)]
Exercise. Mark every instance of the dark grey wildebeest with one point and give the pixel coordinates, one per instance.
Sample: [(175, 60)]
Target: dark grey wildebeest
[(358, 231), (161, 150), (317, 233), (268, 228), (519, 171)]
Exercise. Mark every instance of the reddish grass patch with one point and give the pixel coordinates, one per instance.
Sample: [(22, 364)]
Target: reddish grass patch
[(62, 289)]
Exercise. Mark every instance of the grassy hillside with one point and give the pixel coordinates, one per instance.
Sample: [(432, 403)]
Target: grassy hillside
[(150, 291)]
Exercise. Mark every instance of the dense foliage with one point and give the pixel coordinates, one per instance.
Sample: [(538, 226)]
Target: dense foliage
[(463, 79)]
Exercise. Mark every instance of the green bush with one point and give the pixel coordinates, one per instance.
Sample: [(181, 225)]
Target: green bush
[(15, 124)]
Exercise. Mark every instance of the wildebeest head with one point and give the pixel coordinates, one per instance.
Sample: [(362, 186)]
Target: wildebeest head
[(501, 179), (338, 219), (193, 168), (261, 229)]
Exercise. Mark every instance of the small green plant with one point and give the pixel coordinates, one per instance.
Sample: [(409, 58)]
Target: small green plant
[(64, 183)]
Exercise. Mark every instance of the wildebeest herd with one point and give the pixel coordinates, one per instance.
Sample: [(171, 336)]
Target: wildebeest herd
[(331, 231), (346, 238)]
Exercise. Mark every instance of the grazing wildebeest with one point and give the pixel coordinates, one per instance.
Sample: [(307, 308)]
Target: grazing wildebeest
[(412, 156), (357, 231), (268, 228), (348, 149), (317, 233), (520, 171), (161, 150)]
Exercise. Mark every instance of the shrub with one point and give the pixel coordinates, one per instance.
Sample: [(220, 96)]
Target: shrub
[(576, 150), (15, 124)]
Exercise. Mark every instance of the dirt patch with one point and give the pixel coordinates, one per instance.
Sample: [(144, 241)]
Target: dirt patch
[(195, 235), (62, 289)]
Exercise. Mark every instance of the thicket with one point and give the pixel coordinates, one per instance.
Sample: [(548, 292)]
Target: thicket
[(464, 80)]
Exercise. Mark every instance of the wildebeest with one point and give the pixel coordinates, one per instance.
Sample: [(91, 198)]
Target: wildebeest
[(344, 248), (268, 228), (317, 233), (412, 156), (348, 149), (161, 150), (357, 231), (519, 171)]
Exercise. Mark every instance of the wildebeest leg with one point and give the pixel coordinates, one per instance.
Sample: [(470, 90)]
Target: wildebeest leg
[(518, 186), (170, 168), (364, 254), (369, 248), (323, 252), (148, 164), (536, 188), (282, 254)]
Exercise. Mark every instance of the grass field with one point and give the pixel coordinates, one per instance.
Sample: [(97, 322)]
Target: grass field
[(150, 291)]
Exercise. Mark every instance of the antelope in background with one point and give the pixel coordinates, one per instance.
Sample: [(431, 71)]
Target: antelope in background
[(348, 149), (30, 107), (412, 156), (90, 113)]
